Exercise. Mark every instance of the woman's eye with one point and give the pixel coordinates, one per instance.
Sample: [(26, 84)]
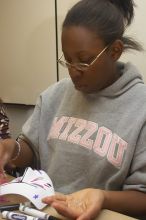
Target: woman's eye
[(80, 60), (87, 61)]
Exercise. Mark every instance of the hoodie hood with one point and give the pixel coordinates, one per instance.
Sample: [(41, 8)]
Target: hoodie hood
[(130, 76)]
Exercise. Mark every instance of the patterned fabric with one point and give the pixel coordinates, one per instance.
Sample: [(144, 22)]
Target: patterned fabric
[(4, 124)]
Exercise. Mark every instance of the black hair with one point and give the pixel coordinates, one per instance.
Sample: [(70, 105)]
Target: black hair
[(107, 18)]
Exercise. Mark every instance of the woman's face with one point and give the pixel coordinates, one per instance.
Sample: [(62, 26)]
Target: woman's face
[(80, 45)]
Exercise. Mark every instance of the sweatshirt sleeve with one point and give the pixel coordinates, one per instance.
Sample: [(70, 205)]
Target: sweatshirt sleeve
[(136, 179), (30, 129), (30, 133)]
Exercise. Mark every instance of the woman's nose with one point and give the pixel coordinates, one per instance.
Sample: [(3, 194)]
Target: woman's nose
[(74, 73)]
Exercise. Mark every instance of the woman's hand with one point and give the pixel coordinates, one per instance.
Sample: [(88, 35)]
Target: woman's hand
[(82, 205)]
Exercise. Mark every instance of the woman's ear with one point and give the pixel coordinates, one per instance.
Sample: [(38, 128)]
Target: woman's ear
[(116, 49)]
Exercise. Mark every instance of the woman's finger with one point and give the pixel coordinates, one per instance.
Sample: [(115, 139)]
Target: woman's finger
[(50, 199)]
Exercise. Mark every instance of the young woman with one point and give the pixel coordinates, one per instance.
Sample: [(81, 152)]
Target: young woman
[(88, 132)]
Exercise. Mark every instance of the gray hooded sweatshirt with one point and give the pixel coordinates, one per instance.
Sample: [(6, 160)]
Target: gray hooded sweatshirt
[(92, 140)]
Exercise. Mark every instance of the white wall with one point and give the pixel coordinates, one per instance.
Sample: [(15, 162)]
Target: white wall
[(62, 7), (27, 49), (138, 31)]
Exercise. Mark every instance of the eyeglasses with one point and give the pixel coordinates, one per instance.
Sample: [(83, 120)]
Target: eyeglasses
[(79, 66)]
